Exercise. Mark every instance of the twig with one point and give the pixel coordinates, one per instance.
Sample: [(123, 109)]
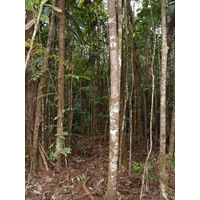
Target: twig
[(86, 194)]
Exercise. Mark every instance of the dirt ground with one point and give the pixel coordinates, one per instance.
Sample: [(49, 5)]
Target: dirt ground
[(85, 177)]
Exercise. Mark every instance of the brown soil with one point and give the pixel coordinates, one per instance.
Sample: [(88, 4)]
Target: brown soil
[(85, 177)]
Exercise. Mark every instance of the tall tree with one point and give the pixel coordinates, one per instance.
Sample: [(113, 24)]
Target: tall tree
[(38, 111), (172, 131), (163, 194), (61, 71), (30, 90), (111, 193)]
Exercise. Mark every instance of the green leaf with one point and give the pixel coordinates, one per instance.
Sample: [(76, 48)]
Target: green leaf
[(170, 10), (28, 5), (78, 77), (36, 1), (76, 31), (65, 133), (44, 18), (29, 24), (65, 151), (78, 178), (74, 34), (55, 8), (51, 146)]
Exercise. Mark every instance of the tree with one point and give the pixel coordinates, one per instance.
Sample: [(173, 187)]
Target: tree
[(111, 193), (38, 110), (30, 91), (163, 102), (61, 73)]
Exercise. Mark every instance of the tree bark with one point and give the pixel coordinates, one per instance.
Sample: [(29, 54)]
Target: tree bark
[(30, 91), (172, 131), (111, 193), (61, 71), (40, 89), (163, 194)]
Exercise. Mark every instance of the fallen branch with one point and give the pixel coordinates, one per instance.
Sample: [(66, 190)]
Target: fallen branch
[(43, 159), (45, 153), (85, 188)]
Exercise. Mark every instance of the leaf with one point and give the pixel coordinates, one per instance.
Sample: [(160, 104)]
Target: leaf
[(170, 10), (65, 133), (78, 77), (65, 151), (27, 44), (28, 5), (74, 34), (78, 178), (55, 8), (44, 18), (36, 1), (51, 146), (76, 25), (56, 118), (29, 24)]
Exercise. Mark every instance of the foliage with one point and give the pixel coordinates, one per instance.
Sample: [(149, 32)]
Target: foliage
[(79, 178), (64, 151), (139, 167), (171, 161)]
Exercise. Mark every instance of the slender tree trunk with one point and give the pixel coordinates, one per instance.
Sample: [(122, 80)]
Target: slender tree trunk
[(124, 97), (145, 172), (163, 194), (111, 193), (30, 91), (147, 79), (69, 89), (98, 66), (131, 110), (40, 89), (172, 131), (61, 71)]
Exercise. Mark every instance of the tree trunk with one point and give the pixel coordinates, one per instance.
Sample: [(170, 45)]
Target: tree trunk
[(124, 90), (172, 131), (111, 193), (163, 194), (30, 91), (61, 71), (40, 89)]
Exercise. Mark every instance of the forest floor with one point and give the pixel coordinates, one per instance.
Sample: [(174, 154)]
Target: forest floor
[(86, 176)]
